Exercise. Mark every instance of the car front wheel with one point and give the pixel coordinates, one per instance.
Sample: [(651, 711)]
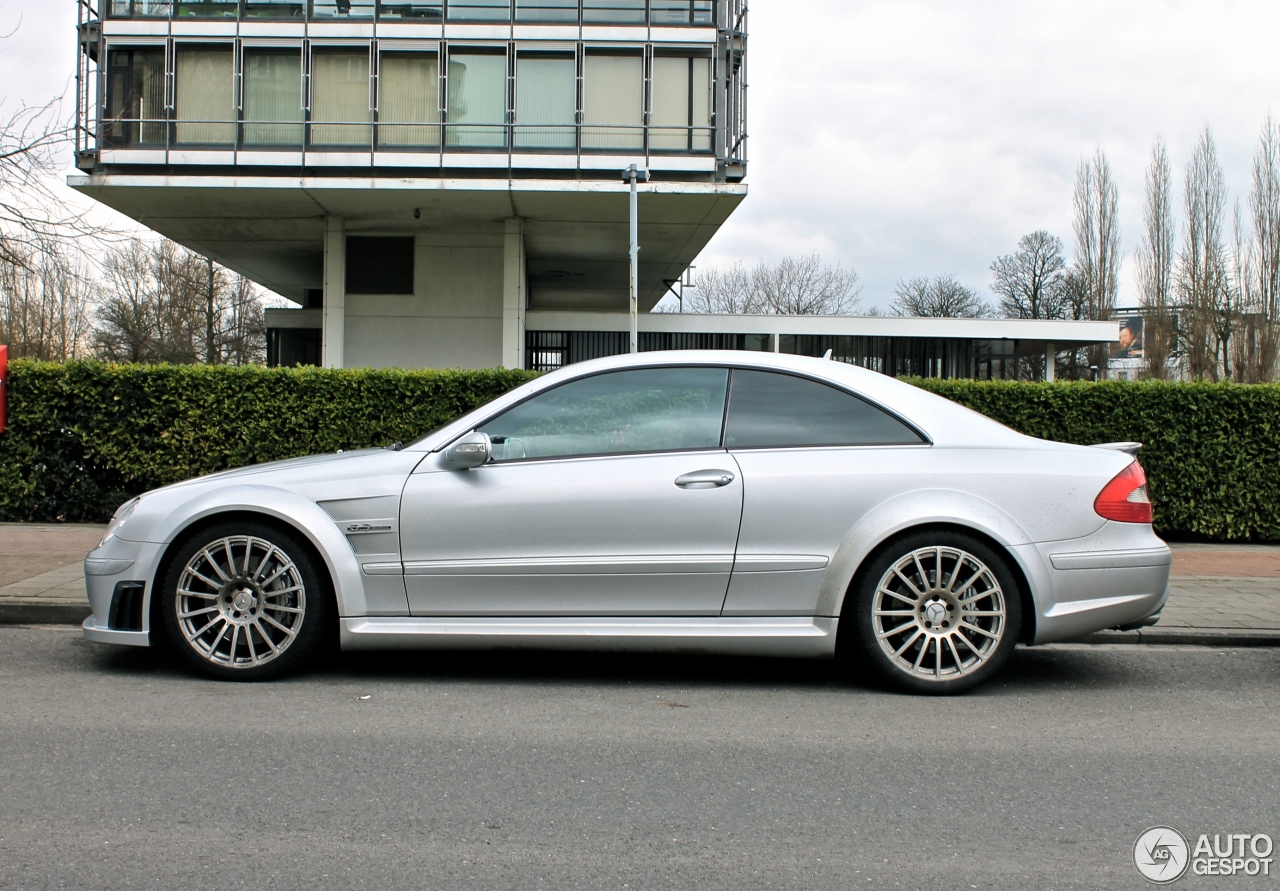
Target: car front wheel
[(245, 601), (936, 612)]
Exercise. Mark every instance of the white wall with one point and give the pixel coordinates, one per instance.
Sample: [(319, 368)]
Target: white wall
[(454, 318)]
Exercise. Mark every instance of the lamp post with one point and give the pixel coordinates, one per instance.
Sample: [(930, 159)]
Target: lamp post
[(633, 174)]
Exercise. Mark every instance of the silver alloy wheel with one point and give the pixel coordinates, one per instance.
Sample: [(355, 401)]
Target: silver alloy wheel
[(241, 601), (939, 613)]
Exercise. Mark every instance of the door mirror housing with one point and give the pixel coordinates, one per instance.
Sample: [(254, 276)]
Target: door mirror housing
[(470, 451)]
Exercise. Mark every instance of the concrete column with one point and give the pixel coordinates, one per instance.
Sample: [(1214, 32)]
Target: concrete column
[(333, 337), (1050, 361), (514, 294)]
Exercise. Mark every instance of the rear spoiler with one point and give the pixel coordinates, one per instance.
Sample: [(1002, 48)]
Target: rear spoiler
[(1129, 448)]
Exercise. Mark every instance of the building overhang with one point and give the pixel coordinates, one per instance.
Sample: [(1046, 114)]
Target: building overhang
[(270, 228)]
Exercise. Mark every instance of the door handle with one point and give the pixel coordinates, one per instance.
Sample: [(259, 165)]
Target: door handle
[(704, 479)]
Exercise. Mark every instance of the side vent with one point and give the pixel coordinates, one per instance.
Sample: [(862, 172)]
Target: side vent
[(126, 607)]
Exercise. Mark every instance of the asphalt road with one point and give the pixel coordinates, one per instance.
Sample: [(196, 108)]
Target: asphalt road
[(119, 770)]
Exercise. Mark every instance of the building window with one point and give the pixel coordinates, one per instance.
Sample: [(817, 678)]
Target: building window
[(613, 101), (379, 265), (135, 98), (681, 12), (403, 9), (340, 112), (547, 11), (546, 101), (273, 97), (477, 112), (205, 9), (479, 10), (275, 9), (680, 114), (159, 9), (342, 9), (204, 87), (613, 12), (409, 104)]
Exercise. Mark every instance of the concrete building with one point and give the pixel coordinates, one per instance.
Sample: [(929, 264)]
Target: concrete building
[(438, 183), (418, 174)]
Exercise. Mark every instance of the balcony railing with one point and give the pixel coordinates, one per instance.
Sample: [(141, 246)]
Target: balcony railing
[(364, 136)]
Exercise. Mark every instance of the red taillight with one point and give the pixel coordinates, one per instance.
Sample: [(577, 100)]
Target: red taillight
[(1124, 499)]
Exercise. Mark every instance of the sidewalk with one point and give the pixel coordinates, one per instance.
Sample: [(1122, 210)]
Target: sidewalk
[(1221, 593)]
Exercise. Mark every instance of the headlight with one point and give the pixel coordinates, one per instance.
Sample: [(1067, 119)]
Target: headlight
[(117, 520)]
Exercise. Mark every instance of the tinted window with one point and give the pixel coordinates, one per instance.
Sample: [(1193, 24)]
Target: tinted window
[(770, 410), (645, 410)]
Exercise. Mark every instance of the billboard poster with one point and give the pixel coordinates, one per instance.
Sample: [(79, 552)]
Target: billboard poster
[(1130, 343)]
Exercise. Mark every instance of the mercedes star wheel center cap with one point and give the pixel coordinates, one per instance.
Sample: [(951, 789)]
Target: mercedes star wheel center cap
[(935, 613)]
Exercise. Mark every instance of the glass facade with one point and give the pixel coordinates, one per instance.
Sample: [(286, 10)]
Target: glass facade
[(556, 100)]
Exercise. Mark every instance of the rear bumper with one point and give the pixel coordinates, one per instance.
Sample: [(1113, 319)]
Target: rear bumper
[(1116, 578)]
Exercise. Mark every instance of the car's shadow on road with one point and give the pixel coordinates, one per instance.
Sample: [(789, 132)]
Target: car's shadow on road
[(1030, 670)]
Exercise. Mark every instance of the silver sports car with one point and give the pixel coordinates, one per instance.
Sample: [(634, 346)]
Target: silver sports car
[(723, 502)]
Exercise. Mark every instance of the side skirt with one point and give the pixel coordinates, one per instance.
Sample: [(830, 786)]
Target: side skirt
[(813, 637)]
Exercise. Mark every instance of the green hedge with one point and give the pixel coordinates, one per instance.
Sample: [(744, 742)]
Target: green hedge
[(85, 436), (1211, 451)]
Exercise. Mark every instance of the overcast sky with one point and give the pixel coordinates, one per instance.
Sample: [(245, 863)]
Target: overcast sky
[(921, 137)]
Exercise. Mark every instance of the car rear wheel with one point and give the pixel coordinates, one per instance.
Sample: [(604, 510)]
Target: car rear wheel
[(935, 612), (244, 600)]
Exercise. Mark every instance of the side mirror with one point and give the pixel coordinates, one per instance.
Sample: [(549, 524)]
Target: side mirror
[(471, 451)]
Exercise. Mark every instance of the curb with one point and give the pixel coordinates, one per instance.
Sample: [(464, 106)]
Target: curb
[(1192, 637), (43, 613)]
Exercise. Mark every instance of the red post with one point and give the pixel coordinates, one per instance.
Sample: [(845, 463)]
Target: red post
[(4, 385)]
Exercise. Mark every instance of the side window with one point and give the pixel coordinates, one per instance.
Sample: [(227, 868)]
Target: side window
[(768, 410), (622, 412)]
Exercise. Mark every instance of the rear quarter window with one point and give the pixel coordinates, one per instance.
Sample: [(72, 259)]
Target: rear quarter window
[(771, 410)]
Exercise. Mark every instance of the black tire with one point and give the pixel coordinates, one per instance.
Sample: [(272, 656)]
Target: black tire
[(245, 600), (935, 612)]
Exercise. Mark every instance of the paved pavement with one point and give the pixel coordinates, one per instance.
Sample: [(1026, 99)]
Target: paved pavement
[(1222, 593)]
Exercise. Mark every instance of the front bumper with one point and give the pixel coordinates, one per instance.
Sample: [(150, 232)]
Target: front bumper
[(118, 579)]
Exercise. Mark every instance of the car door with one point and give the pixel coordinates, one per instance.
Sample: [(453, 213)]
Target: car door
[(608, 495), (814, 459)]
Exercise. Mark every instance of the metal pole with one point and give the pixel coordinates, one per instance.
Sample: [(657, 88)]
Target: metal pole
[(634, 174)]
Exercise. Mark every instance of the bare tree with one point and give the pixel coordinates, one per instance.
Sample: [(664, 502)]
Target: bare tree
[(797, 286), (45, 292), (163, 303), (1155, 265), (1096, 265), (1030, 281), (940, 297), (1203, 281), (1262, 278)]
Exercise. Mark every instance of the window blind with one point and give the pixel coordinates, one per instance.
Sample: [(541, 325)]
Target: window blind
[(205, 94), (340, 112), (613, 102), (546, 101), (273, 98), (681, 104), (409, 104)]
